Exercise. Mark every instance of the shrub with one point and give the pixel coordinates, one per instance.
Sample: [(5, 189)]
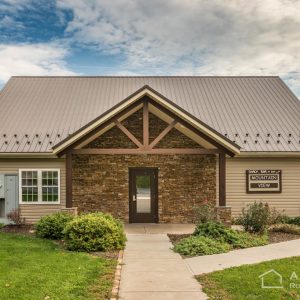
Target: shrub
[(52, 226), (255, 218), (200, 245), (236, 239), (94, 232), (286, 228), (247, 240), (205, 212), (2, 225), (15, 216), (216, 230), (276, 217), (294, 221)]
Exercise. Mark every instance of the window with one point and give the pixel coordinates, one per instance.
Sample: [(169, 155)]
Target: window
[(39, 186), (29, 186), (49, 186)]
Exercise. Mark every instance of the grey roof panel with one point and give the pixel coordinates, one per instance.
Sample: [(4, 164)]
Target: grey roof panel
[(239, 107)]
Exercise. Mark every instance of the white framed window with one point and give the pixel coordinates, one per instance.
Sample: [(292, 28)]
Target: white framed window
[(39, 186)]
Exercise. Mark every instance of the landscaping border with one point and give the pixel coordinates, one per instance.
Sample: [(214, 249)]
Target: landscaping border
[(117, 279)]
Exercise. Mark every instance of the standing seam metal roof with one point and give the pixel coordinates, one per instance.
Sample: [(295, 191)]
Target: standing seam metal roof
[(257, 113)]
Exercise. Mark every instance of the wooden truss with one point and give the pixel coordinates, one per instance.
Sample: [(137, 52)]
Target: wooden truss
[(145, 147)]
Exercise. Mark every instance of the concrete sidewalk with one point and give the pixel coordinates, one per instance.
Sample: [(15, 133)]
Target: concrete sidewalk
[(209, 263), (153, 228), (152, 271)]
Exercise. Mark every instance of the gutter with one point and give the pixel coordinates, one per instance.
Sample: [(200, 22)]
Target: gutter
[(269, 154), (28, 155)]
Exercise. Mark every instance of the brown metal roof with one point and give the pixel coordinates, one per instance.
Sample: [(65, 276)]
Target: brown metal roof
[(257, 113)]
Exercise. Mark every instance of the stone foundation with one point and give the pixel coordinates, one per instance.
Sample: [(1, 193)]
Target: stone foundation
[(223, 214)]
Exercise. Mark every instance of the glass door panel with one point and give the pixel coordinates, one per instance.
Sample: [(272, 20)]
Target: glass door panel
[(143, 194), (143, 206)]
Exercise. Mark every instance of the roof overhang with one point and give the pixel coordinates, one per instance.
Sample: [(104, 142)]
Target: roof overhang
[(28, 155), (163, 101), (269, 154)]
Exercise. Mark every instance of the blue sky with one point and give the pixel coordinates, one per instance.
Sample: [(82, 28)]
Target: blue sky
[(131, 37)]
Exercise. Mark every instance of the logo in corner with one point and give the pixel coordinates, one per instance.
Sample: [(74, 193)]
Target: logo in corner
[(272, 276)]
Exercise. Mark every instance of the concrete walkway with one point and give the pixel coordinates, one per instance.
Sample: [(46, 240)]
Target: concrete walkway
[(152, 271), (210, 263), (151, 228)]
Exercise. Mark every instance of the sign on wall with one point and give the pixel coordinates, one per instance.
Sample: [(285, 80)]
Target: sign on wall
[(263, 181)]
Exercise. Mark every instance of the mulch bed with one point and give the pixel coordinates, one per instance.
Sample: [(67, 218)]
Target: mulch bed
[(277, 237), (274, 237), (20, 229), (175, 238), (113, 254)]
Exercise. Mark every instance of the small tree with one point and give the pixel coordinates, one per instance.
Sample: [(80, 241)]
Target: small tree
[(15, 216)]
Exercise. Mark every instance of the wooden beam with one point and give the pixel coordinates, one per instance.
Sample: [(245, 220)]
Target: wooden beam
[(146, 124), (189, 126), (129, 134), (222, 179), (69, 180), (100, 127), (143, 151), (163, 133)]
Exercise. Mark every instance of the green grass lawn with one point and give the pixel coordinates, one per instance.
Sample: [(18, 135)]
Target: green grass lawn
[(241, 283), (33, 269)]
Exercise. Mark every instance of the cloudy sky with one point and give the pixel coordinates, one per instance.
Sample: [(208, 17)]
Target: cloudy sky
[(150, 37)]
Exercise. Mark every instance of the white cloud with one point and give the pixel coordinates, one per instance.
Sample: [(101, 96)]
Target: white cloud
[(12, 6), (237, 37), (32, 59)]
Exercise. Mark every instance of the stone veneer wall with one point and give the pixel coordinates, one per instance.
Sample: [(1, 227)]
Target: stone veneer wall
[(101, 182)]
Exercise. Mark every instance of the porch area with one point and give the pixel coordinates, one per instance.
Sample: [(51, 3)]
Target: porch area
[(148, 162)]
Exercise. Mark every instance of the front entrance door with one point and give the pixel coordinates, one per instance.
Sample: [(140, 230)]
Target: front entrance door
[(143, 206)]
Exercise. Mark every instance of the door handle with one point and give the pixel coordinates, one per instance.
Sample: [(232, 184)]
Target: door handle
[(134, 197)]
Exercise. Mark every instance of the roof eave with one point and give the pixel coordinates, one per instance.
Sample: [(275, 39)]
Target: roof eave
[(269, 154), (27, 155)]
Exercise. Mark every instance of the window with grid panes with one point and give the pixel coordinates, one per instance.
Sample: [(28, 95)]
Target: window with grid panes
[(29, 189), (39, 186)]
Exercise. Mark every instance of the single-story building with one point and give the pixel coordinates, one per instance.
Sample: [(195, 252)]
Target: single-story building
[(148, 149)]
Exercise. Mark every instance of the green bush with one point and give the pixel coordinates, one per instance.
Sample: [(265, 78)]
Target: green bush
[(294, 221), (94, 232), (2, 225), (255, 217), (216, 230), (200, 245), (286, 228), (258, 216), (52, 226), (247, 240), (237, 239)]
